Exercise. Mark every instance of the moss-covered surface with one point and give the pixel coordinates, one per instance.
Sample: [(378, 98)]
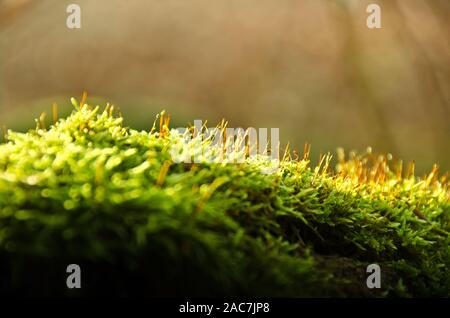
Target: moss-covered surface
[(92, 192)]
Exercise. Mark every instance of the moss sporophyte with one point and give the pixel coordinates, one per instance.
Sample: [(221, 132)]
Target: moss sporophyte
[(89, 191)]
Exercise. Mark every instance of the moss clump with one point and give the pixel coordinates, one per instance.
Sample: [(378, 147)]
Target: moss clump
[(92, 192)]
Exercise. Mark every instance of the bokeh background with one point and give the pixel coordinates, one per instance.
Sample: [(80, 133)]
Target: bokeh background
[(311, 68)]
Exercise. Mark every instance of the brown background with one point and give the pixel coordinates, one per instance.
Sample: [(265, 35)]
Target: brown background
[(311, 68)]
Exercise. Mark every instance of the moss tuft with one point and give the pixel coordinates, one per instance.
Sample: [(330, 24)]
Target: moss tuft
[(92, 192)]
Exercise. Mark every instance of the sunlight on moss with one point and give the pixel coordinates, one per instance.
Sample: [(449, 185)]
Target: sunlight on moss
[(88, 188)]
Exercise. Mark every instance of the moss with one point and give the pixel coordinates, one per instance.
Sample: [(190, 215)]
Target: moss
[(109, 198)]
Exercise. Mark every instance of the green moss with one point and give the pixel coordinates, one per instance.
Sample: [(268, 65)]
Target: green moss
[(92, 192)]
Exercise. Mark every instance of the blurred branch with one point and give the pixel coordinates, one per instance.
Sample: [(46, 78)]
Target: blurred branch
[(11, 9), (427, 72), (366, 100)]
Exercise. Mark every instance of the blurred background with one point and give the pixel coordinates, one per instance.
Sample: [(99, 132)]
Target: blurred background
[(310, 67)]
